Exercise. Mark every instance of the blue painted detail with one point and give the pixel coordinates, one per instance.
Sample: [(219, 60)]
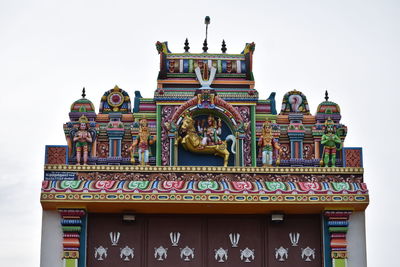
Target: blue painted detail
[(325, 185), (190, 185), (243, 66), (112, 197), (223, 64), (136, 101), (225, 185), (71, 222), (240, 198), (86, 197), (338, 223), (292, 186), (360, 198), (186, 65), (264, 198), (61, 196), (290, 198), (121, 184), (59, 176), (314, 198), (137, 197), (162, 197), (87, 184), (259, 185), (337, 198), (214, 197), (188, 197), (155, 184)]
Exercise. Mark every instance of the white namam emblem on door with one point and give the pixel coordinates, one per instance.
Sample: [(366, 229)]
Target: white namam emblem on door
[(160, 253), (187, 253), (127, 252), (100, 252), (307, 252), (281, 253), (247, 255), (221, 255)]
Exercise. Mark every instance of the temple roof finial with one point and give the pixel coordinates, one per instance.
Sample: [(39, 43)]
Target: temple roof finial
[(187, 47), (83, 92), (223, 48), (326, 95)]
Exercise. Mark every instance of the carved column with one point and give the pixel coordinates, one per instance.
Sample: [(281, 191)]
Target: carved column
[(72, 227), (337, 222)]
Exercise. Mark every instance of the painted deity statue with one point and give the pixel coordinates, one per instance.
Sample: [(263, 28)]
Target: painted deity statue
[(192, 141), (143, 141), (330, 140), (212, 132), (267, 145), (82, 138)]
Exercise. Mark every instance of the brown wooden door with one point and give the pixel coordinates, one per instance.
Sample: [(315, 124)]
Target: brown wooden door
[(308, 228), (204, 241)]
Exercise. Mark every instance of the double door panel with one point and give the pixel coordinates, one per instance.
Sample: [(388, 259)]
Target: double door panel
[(203, 241)]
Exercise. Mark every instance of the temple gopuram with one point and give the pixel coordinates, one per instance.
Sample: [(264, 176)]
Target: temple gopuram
[(204, 173)]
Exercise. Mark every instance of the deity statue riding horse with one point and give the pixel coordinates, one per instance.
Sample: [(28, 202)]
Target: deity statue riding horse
[(192, 142)]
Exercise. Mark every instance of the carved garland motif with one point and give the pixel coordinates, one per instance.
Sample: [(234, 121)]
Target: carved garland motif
[(167, 114), (172, 176), (245, 114)]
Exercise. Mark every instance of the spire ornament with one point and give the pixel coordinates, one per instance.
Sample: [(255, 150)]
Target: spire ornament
[(83, 92), (223, 48), (186, 47), (326, 95)]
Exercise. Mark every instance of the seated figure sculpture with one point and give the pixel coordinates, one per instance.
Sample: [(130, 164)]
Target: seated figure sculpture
[(143, 141), (267, 144), (330, 140), (212, 132), (82, 138)]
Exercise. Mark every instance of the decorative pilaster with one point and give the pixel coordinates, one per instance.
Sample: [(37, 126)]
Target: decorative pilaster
[(115, 132), (338, 224), (72, 225), (296, 133)]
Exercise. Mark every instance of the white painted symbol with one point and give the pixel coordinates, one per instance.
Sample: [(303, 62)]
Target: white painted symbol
[(294, 238), (127, 252), (174, 236), (281, 253), (221, 255), (161, 253), (205, 84), (187, 253), (307, 253), (114, 236), (247, 255), (100, 252), (234, 237)]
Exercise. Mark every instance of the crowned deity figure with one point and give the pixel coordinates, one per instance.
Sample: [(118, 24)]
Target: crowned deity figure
[(330, 140), (267, 145), (143, 141), (82, 138), (212, 132)]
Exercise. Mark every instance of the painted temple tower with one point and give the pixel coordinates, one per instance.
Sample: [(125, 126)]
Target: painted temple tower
[(204, 173)]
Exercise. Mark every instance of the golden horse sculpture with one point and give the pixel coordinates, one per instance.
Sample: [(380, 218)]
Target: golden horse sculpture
[(192, 142)]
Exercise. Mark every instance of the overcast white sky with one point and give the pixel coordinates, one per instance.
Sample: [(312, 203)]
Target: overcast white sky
[(50, 49)]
